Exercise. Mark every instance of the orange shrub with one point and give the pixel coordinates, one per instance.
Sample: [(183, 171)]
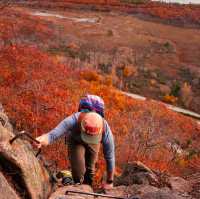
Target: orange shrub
[(90, 75), (170, 99)]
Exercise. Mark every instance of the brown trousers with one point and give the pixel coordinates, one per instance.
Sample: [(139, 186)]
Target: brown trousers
[(83, 158)]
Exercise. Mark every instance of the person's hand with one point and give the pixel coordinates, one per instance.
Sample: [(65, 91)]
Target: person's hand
[(107, 186), (43, 141)]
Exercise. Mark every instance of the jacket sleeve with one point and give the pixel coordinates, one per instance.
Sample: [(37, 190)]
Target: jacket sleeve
[(108, 147), (63, 127)]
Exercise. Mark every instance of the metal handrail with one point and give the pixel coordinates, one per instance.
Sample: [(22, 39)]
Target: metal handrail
[(22, 134), (99, 195)]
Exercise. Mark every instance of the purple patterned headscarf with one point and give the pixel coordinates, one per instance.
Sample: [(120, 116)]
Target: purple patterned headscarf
[(92, 103)]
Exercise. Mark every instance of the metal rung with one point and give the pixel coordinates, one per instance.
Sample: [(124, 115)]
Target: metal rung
[(99, 195), (94, 194)]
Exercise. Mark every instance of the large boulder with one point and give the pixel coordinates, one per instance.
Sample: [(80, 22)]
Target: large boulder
[(140, 181), (6, 190), (145, 192), (22, 175), (179, 184), (132, 190), (163, 194), (137, 173)]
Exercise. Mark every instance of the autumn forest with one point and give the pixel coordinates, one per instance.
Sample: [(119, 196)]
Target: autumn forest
[(49, 58)]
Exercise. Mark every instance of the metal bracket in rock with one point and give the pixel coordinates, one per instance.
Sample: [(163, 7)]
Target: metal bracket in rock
[(26, 135)]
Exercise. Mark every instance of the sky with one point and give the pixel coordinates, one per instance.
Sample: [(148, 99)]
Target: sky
[(182, 1)]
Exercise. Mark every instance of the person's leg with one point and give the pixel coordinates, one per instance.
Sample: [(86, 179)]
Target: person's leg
[(91, 155), (76, 153)]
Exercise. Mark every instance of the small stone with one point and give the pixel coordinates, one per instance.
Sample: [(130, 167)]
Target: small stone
[(153, 82), (145, 69), (73, 46), (137, 173), (164, 89), (196, 82), (154, 74), (169, 83)]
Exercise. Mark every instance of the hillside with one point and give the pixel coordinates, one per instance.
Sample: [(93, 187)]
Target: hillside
[(49, 59), (179, 15), (154, 60)]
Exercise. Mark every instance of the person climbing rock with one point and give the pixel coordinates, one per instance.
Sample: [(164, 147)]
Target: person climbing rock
[(86, 130)]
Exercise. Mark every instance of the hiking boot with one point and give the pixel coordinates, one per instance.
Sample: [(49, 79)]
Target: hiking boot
[(65, 176), (67, 181)]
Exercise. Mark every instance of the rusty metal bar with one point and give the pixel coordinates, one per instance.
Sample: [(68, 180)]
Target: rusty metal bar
[(100, 195), (22, 134), (94, 194), (38, 153)]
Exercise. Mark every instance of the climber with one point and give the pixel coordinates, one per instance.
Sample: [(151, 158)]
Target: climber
[(86, 130)]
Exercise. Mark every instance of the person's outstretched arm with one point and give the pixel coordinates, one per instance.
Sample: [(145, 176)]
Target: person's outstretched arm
[(63, 127), (109, 154)]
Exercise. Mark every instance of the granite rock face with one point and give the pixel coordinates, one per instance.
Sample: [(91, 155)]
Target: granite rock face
[(179, 185), (137, 173), (6, 190), (22, 175)]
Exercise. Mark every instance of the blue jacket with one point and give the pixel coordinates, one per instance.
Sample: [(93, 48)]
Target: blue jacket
[(67, 125)]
